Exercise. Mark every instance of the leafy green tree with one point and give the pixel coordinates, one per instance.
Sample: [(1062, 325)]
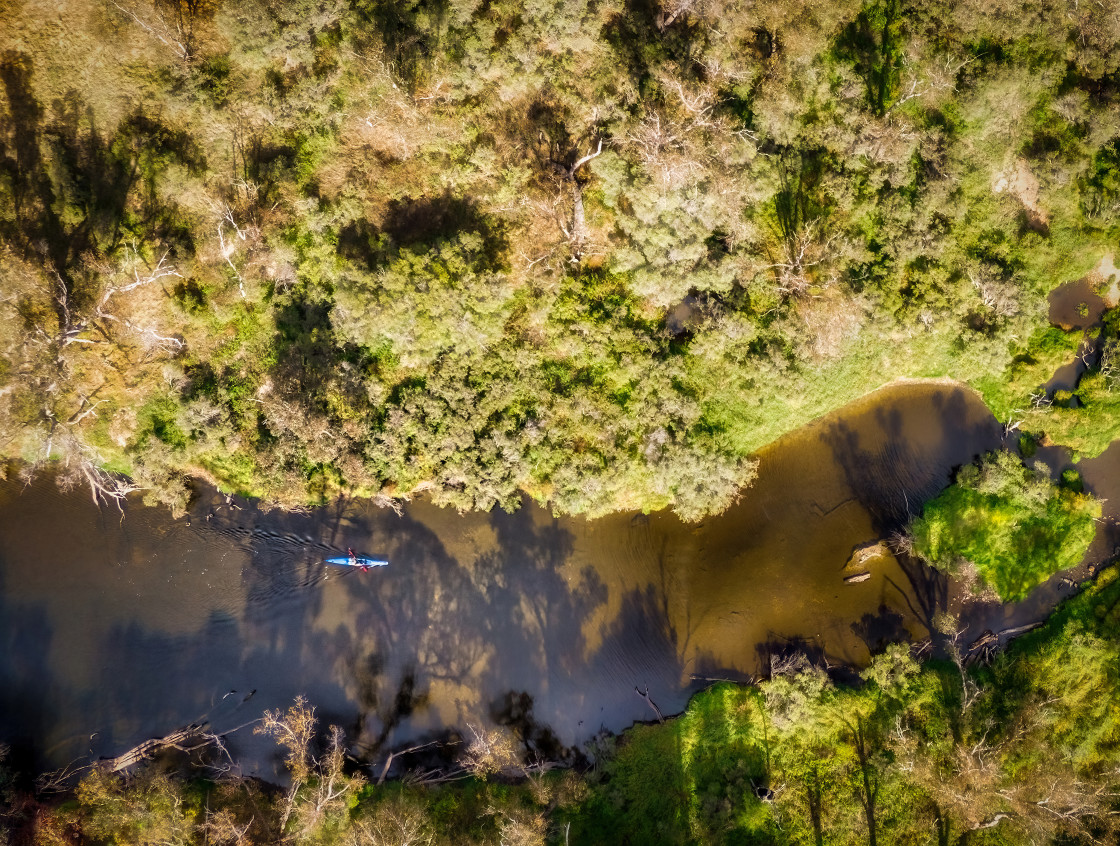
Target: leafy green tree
[(451, 297), (1006, 524), (152, 809)]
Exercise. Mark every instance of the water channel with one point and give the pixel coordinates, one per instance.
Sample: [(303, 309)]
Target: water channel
[(115, 630)]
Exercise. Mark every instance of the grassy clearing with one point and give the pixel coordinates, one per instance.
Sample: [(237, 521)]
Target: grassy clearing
[(1089, 428)]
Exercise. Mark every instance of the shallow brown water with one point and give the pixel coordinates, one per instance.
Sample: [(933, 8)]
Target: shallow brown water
[(114, 630), (1076, 305)]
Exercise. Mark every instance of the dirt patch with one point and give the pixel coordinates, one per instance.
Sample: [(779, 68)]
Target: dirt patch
[(1106, 279), (1023, 185), (831, 322)]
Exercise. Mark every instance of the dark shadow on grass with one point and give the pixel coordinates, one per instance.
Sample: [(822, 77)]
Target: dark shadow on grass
[(78, 187)]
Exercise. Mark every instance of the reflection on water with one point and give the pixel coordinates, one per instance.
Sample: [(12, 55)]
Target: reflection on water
[(112, 631)]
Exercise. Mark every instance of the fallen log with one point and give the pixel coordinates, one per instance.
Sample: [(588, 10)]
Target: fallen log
[(987, 640), (992, 823), (392, 755), (645, 695), (1018, 630), (143, 751), (990, 641), (856, 578)]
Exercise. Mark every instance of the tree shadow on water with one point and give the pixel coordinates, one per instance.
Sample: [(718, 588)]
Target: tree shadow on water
[(536, 612), (929, 589), (881, 629), (900, 455), (891, 462), (638, 653), (28, 687), (478, 617), (384, 702), (515, 710), (432, 626), (161, 681)]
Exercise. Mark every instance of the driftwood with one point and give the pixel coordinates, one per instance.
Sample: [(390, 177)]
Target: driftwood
[(652, 704), (750, 681), (987, 640), (145, 750), (856, 578), (392, 755), (1018, 630), (993, 822), (990, 640)]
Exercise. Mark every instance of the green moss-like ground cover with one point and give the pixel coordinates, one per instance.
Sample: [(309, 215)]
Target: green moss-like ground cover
[(1009, 522)]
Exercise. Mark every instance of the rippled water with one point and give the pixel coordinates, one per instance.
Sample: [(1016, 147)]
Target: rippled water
[(112, 630)]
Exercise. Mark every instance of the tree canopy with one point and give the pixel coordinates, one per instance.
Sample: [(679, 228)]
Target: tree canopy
[(593, 253)]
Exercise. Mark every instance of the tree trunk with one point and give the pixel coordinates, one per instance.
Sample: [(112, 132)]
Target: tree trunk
[(148, 748), (579, 226), (870, 787)]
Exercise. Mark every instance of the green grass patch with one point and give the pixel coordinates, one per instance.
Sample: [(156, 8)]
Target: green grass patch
[(237, 472), (1090, 428), (691, 780), (159, 419), (1009, 393)]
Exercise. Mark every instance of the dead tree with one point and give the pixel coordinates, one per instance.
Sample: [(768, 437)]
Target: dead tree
[(161, 30), (492, 751), (672, 10), (318, 783), (645, 695), (147, 334), (576, 230), (143, 751)]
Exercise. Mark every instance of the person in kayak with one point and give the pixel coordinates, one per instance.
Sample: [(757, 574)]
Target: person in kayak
[(354, 559)]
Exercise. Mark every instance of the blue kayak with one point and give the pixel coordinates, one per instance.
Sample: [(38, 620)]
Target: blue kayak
[(345, 561)]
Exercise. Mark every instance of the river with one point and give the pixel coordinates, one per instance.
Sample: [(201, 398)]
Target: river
[(113, 630)]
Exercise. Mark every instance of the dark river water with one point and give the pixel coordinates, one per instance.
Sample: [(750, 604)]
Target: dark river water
[(115, 630)]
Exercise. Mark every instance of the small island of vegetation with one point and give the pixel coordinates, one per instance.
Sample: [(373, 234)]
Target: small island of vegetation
[(1007, 526)]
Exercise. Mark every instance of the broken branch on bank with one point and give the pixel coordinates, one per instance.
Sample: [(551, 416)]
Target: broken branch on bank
[(143, 751), (645, 695)]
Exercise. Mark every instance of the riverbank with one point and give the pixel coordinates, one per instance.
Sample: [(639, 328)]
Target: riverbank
[(945, 748), (653, 603), (676, 591), (477, 613)]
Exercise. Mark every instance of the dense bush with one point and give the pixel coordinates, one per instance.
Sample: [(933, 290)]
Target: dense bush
[(1007, 525), (596, 252)]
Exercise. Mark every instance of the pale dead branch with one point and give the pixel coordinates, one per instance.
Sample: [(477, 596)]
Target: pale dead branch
[(161, 33)]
